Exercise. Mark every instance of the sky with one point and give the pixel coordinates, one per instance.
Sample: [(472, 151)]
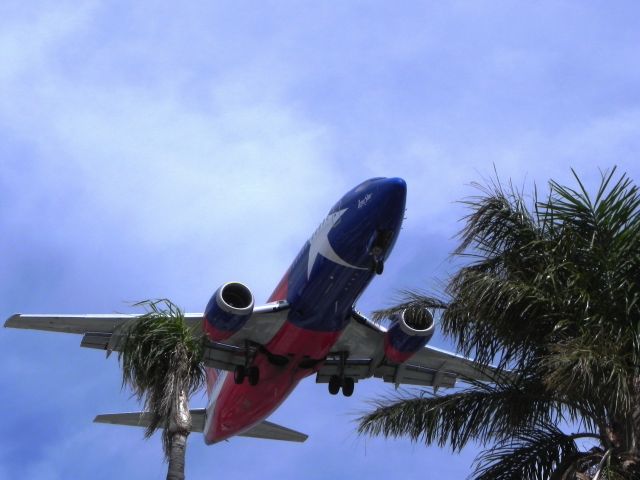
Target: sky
[(157, 149)]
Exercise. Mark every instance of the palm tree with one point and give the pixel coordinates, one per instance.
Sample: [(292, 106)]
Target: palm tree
[(552, 293), (161, 359)]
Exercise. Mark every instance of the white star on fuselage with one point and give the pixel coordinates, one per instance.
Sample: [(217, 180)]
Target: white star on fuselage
[(319, 243)]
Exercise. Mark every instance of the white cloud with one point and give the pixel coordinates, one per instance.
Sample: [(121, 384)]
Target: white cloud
[(152, 151)]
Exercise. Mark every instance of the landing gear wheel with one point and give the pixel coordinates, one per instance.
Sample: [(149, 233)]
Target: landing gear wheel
[(347, 386), (334, 385), (378, 266), (238, 374), (254, 375)]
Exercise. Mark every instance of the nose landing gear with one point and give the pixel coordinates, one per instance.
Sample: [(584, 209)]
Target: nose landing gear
[(377, 265), (380, 243)]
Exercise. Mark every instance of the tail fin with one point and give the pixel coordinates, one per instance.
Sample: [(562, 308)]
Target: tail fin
[(266, 430)]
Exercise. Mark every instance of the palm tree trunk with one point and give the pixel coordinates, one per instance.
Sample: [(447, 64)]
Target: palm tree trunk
[(632, 465), (179, 429), (177, 457)]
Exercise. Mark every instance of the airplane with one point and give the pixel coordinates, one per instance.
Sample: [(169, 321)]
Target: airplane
[(256, 355)]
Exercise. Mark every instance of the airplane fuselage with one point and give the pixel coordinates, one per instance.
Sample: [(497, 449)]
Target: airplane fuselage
[(321, 286)]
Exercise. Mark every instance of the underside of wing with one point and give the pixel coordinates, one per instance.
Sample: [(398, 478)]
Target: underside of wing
[(100, 331), (464, 368), (264, 323), (360, 353), (103, 331), (79, 324)]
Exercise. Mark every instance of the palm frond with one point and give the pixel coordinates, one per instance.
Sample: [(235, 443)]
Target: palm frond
[(160, 358), (551, 289), (582, 368), (481, 412), (539, 452)]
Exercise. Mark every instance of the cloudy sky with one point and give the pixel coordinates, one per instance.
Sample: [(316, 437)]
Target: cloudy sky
[(159, 150)]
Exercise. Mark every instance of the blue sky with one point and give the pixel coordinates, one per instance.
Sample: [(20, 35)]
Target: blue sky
[(162, 149)]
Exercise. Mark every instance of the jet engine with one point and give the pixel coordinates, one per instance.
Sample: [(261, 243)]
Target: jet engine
[(227, 311), (410, 331)]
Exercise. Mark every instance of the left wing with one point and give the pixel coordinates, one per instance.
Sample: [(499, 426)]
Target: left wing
[(103, 331), (359, 353)]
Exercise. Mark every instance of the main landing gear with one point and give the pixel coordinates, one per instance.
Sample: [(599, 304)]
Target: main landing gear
[(251, 373), (346, 383), (248, 371), (336, 382)]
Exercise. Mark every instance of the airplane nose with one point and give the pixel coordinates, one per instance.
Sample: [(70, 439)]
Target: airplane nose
[(394, 193), (396, 185), (389, 203), (389, 216)]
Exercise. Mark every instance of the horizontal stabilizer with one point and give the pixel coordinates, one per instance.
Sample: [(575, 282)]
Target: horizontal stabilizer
[(266, 430), (272, 431), (143, 419)]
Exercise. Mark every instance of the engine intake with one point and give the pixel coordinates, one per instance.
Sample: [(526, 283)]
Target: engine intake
[(411, 330), (227, 311)]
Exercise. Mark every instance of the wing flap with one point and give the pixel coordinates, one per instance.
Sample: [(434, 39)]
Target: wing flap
[(223, 356), (97, 340)]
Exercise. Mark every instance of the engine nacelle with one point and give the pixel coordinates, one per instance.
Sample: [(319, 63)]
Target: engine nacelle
[(410, 331), (227, 311)]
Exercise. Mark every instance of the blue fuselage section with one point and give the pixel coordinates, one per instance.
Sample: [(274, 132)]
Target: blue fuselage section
[(321, 286), (339, 260)]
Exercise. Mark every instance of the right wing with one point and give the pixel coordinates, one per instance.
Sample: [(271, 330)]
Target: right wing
[(362, 342), (266, 430)]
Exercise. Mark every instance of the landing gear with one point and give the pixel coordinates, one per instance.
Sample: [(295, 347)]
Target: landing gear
[(347, 386), (238, 374), (337, 382), (377, 265), (334, 385), (249, 371), (380, 243), (253, 374)]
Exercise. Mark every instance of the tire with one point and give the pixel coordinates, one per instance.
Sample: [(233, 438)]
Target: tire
[(254, 375), (347, 386), (334, 385), (238, 374), (379, 267)]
